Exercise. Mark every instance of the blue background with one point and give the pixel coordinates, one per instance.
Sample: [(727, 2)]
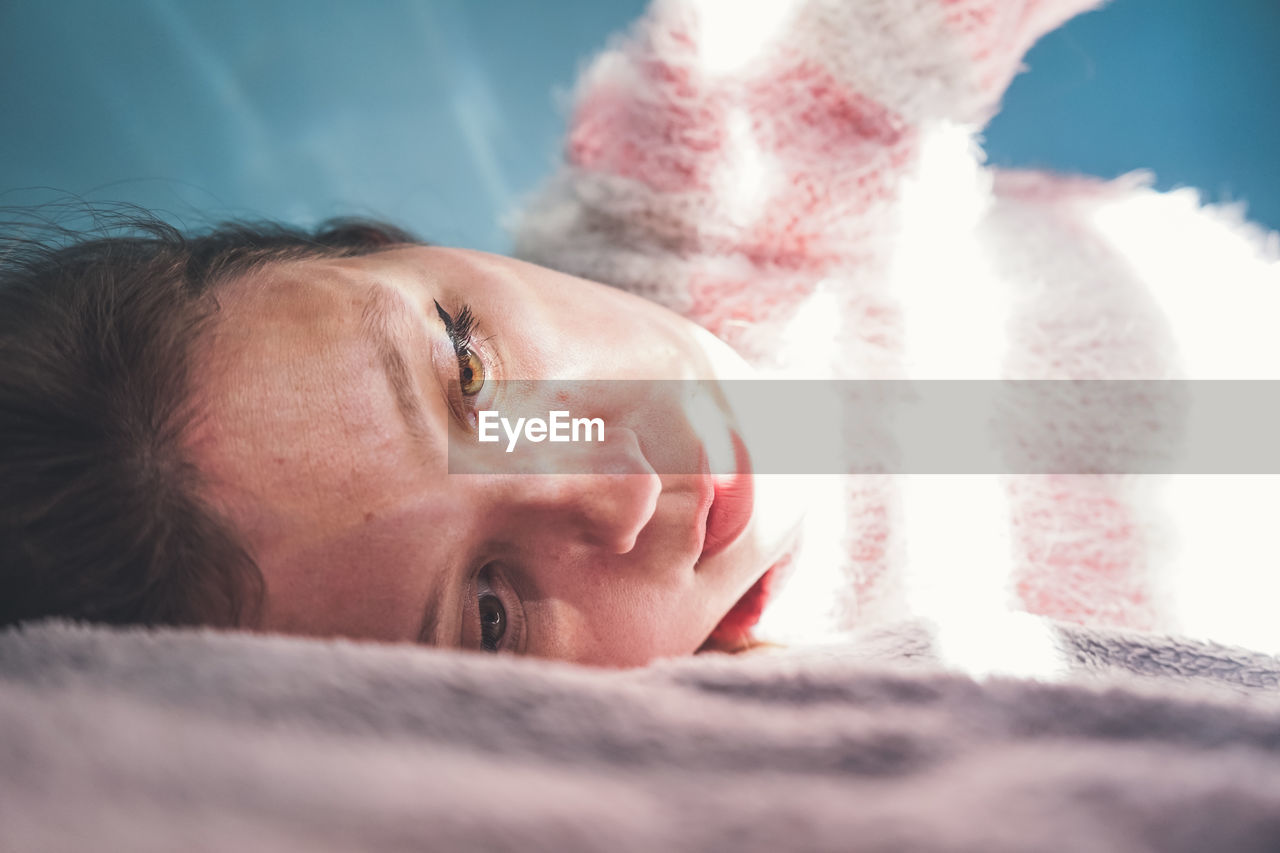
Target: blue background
[(440, 114)]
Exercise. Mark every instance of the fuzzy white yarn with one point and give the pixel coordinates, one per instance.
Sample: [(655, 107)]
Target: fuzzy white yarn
[(813, 194)]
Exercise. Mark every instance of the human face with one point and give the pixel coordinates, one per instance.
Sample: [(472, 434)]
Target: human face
[(329, 391)]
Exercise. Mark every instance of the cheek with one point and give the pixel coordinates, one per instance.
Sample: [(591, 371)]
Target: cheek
[(612, 624), (363, 582), (581, 323)]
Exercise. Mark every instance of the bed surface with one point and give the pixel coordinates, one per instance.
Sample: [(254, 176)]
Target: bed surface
[(196, 740)]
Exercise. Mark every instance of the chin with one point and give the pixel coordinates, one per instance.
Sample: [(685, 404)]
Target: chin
[(733, 633)]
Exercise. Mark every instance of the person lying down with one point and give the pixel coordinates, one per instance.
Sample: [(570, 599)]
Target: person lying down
[(307, 432)]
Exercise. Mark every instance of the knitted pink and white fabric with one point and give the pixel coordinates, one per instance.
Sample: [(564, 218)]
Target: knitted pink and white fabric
[(801, 177)]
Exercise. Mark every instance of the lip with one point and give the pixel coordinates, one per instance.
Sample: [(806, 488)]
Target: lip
[(734, 628), (733, 499)]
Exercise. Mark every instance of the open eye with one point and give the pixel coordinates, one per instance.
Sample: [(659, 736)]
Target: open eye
[(500, 612), (471, 366), (470, 371), (493, 622), (493, 616)]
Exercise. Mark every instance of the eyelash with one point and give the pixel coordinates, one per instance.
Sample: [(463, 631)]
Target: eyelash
[(461, 333), (460, 329)]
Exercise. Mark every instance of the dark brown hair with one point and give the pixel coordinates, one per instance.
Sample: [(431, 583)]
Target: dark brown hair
[(101, 514)]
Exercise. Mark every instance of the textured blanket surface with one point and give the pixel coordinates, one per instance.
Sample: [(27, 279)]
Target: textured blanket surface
[(184, 740)]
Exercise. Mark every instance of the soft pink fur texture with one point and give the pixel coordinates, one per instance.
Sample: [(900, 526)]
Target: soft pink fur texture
[(836, 163)]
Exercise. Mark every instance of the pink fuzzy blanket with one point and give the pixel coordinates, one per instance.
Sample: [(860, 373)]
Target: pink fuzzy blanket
[(193, 740)]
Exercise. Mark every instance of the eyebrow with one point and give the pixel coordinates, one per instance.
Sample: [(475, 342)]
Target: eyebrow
[(383, 313)]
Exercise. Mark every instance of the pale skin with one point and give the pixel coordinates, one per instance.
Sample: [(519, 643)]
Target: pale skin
[(340, 485)]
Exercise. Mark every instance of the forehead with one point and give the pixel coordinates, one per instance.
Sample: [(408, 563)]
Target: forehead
[(303, 445), (313, 295), (286, 347), (294, 394)]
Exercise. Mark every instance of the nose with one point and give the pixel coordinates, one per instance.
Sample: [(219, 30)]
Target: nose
[(600, 493)]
